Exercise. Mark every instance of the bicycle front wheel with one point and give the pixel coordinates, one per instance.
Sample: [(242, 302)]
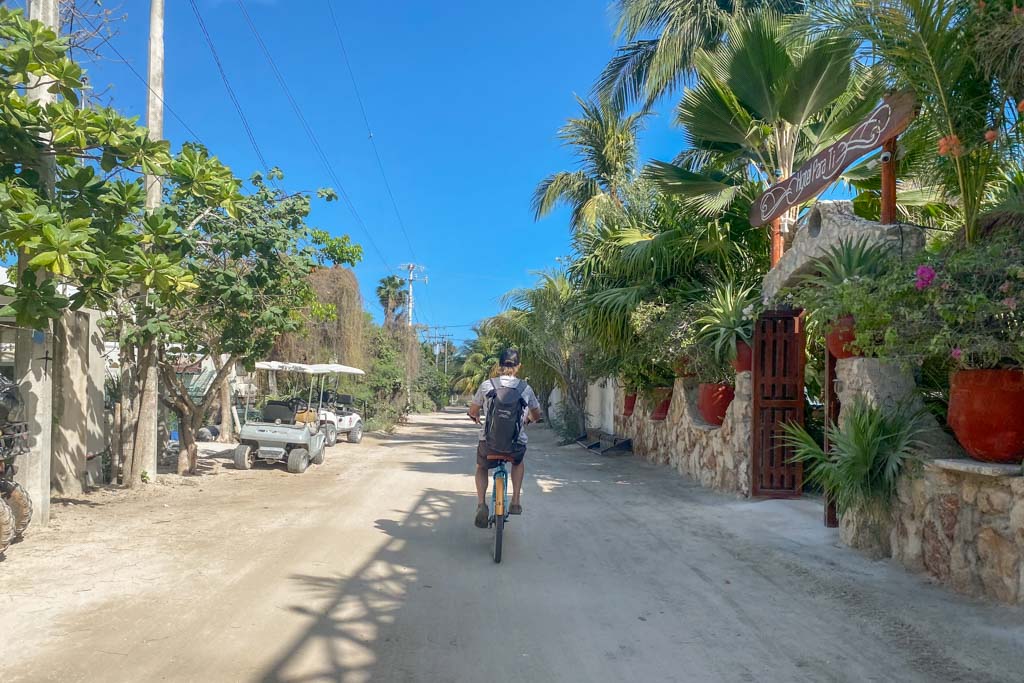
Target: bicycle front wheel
[(499, 528)]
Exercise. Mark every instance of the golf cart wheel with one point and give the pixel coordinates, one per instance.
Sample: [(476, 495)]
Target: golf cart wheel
[(20, 502), (356, 435), (298, 460), (6, 525), (331, 434), (243, 457), (318, 459)]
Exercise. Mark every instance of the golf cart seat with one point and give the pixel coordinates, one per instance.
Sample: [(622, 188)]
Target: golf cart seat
[(278, 410)]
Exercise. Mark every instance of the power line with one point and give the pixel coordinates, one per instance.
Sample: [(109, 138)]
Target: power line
[(369, 131), (231, 91), (145, 82), (309, 131)]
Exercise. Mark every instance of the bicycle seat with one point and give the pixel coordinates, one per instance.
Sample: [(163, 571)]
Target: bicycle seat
[(501, 456)]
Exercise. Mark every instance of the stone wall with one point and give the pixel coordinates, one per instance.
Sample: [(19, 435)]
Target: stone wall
[(960, 521), (716, 457)]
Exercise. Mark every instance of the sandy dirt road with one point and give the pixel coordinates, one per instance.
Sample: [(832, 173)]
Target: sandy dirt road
[(368, 568)]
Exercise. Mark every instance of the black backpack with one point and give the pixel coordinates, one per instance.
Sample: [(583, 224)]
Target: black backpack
[(504, 417)]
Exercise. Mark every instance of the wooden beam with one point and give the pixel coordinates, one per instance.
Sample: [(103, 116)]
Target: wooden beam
[(888, 216)]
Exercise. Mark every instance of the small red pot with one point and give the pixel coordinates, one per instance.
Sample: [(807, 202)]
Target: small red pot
[(630, 406), (713, 400), (841, 334), (662, 402), (986, 412), (744, 361)]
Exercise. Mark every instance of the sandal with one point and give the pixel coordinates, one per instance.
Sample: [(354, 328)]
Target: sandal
[(515, 509), (481, 516)]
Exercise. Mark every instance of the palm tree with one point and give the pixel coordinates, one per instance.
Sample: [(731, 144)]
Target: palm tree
[(539, 321), (477, 362), (393, 298), (763, 103), (604, 141), (661, 38)]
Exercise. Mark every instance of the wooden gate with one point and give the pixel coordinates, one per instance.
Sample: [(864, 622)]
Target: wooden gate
[(778, 388)]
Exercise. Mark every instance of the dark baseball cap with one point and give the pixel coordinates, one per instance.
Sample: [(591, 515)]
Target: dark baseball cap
[(509, 358)]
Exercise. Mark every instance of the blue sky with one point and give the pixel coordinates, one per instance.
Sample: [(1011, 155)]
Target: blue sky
[(464, 99)]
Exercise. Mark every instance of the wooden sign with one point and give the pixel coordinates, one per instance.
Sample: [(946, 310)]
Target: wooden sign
[(887, 121)]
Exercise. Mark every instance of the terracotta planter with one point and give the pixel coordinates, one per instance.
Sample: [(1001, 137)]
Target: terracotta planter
[(840, 335), (662, 402), (713, 400), (986, 412), (630, 405), (744, 361)]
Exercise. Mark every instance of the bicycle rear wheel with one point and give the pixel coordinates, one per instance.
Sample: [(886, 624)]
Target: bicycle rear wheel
[(499, 515), (499, 528)]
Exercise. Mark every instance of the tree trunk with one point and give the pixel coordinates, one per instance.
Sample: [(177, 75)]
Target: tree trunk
[(188, 451), (227, 425), (145, 450), (115, 447), (130, 474)]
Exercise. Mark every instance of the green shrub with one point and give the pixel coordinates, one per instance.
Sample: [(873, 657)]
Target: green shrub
[(868, 455)]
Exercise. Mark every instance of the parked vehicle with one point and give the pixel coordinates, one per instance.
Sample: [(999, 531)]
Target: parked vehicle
[(298, 430)]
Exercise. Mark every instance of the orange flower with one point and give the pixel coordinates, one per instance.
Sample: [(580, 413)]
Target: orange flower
[(981, 5), (991, 136), (1018, 11), (1020, 106), (950, 145)]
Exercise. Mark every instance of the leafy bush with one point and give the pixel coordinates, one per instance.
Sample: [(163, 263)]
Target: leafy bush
[(869, 453)]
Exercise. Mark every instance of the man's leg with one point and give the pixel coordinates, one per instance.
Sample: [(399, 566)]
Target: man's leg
[(517, 481), (481, 484), (482, 513)]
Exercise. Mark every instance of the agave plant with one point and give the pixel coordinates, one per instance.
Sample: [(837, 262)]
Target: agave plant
[(850, 259), (728, 318), (869, 453)]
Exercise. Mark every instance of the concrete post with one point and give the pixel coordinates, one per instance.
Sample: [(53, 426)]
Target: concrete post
[(33, 355)]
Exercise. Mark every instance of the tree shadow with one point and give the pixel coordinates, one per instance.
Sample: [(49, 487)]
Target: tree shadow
[(348, 628)]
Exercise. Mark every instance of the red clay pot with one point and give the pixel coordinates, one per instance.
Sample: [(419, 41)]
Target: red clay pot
[(840, 335), (744, 361), (662, 401), (630, 406), (713, 400), (986, 412)]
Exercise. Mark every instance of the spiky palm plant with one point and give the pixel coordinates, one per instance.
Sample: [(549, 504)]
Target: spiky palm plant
[(870, 451), (728, 318)]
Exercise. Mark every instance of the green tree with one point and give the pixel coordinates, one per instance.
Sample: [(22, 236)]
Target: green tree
[(661, 38), (250, 268), (604, 142), (393, 298)]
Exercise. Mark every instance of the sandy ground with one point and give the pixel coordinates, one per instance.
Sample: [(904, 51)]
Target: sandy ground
[(369, 568)]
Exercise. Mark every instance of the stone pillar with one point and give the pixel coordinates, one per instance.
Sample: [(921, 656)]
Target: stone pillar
[(32, 369)]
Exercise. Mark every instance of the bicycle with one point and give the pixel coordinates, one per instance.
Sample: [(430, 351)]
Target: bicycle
[(499, 501)]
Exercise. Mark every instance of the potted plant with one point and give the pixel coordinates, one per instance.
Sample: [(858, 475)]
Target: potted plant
[(714, 391), (727, 323), (964, 306), (842, 272)]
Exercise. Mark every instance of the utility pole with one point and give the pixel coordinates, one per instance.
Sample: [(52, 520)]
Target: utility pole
[(146, 441), (33, 354), (412, 269)]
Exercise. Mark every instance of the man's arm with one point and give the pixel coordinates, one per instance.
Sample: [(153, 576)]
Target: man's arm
[(533, 404), (474, 412)]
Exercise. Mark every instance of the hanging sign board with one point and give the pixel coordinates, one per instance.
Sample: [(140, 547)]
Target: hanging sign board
[(887, 121)]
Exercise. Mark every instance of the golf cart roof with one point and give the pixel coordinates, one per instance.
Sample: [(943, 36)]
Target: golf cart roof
[(309, 369)]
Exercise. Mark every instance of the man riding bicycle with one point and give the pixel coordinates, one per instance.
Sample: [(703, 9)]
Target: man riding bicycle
[(504, 433)]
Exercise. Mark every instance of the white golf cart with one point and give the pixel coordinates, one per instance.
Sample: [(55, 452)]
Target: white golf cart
[(297, 430)]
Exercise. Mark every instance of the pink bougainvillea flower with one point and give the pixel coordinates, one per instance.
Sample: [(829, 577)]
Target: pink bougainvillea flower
[(1020, 106), (1005, 287), (991, 136), (956, 354), (925, 277), (1010, 303), (1018, 11)]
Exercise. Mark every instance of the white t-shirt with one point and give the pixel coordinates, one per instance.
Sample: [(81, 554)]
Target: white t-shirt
[(480, 399)]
